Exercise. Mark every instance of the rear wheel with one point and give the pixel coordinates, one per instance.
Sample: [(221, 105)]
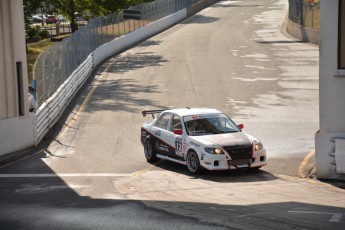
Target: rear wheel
[(193, 162), (149, 151)]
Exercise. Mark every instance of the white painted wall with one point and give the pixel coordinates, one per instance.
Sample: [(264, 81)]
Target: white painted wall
[(16, 132), (332, 94)]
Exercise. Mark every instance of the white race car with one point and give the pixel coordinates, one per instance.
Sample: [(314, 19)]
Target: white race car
[(200, 138)]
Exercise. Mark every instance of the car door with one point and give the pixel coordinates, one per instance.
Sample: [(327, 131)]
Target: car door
[(176, 137), (162, 134)]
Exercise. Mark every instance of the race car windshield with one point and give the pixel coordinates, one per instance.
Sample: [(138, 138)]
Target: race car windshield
[(209, 124)]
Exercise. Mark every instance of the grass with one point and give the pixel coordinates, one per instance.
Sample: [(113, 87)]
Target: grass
[(33, 52)]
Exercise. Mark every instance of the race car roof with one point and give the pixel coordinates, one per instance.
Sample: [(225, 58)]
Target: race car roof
[(192, 111)]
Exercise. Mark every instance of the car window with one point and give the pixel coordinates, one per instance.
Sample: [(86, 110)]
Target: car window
[(163, 121), (176, 123), (209, 124)]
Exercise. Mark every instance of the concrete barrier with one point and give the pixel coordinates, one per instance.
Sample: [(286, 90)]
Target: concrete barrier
[(193, 9), (303, 33)]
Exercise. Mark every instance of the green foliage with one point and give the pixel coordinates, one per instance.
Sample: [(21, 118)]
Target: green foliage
[(73, 9), (31, 31), (116, 5), (84, 8), (90, 8), (43, 34), (30, 8)]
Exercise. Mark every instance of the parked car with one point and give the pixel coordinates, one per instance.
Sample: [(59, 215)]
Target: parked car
[(50, 19), (61, 18), (200, 138), (37, 18)]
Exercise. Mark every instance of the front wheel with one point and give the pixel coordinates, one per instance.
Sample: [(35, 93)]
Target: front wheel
[(149, 151), (193, 162)]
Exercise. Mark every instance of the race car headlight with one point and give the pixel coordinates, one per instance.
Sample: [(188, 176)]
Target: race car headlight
[(258, 146), (214, 150)]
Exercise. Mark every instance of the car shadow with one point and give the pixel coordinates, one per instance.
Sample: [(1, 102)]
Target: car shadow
[(232, 176)]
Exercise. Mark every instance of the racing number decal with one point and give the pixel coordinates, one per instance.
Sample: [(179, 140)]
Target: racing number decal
[(178, 147)]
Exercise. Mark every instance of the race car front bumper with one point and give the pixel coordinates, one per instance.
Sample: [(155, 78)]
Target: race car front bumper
[(222, 162)]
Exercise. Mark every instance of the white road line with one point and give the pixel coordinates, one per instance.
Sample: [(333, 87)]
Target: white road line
[(38, 175), (336, 217)]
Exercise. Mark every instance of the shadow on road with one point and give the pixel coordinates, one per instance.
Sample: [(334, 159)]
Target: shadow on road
[(35, 202), (233, 176), (200, 19)]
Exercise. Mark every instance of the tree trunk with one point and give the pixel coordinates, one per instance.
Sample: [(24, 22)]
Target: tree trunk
[(73, 21)]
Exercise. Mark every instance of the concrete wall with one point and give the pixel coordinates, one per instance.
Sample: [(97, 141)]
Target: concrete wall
[(9, 54), (16, 124), (16, 133), (332, 94), (303, 33)]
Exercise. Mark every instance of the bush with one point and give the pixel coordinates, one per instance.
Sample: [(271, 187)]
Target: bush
[(31, 32), (43, 34)]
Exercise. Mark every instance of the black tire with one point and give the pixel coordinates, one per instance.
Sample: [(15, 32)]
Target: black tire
[(193, 162), (149, 151)]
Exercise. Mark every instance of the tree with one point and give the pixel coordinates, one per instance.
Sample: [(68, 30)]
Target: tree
[(90, 8), (116, 5), (30, 8), (78, 8)]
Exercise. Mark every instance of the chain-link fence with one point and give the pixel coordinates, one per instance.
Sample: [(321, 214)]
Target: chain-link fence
[(305, 13), (57, 63)]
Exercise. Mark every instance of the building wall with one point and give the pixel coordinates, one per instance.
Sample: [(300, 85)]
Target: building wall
[(332, 95), (16, 123)]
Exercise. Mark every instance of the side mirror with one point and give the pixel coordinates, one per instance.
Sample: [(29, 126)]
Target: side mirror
[(178, 131), (240, 126)]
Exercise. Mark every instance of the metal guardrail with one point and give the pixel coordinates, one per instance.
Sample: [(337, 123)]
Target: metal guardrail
[(305, 13)]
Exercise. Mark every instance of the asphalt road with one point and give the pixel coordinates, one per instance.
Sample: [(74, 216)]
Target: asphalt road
[(232, 57)]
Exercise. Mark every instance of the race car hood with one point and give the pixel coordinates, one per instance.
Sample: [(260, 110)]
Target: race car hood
[(226, 139)]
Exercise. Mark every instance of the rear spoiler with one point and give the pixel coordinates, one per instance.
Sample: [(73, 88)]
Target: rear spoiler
[(152, 112)]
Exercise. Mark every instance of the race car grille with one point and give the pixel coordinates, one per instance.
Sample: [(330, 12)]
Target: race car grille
[(240, 162), (240, 152)]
